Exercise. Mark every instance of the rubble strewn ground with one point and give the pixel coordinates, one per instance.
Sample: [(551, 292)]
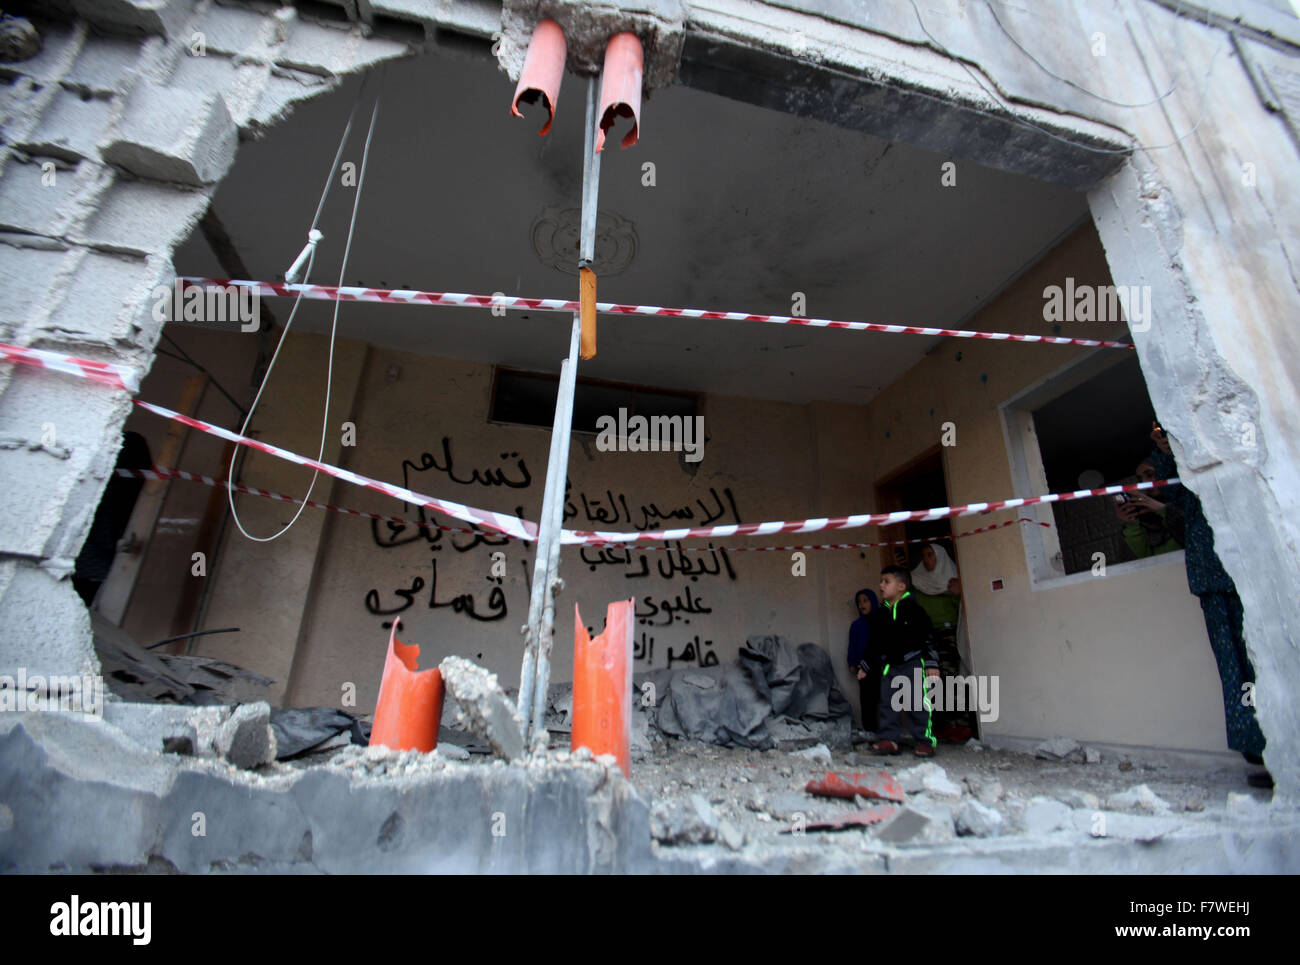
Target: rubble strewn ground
[(967, 791)]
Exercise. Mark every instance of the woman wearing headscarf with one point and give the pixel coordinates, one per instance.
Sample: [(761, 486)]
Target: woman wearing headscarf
[(936, 585), (862, 659), (1211, 584)]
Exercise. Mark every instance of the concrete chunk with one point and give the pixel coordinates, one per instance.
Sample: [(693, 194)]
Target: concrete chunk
[(485, 707), (1044, 815), (174, 134), (975, 820), (246, 739), (1138, 798)]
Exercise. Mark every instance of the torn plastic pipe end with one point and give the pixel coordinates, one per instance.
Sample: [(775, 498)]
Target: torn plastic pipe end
[(620, 86), (409, 708), (543, 70)]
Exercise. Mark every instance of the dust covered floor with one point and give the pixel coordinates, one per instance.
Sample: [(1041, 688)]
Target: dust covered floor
[(752, 805)]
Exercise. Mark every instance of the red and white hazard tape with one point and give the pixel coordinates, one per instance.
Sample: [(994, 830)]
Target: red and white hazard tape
[(851, 522), (106, 373), (165, 473), (497, 522), (391, 296), (525, 530)]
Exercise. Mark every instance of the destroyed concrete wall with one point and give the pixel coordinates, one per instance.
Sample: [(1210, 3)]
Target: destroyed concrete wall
[(129, 120), (115, 135), (1120, 659), (1201, 214)]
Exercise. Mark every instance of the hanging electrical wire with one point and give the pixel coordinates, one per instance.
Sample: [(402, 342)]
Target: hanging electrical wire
[(309, 255)]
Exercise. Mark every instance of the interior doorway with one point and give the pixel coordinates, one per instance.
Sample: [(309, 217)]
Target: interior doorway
[(922, 484)]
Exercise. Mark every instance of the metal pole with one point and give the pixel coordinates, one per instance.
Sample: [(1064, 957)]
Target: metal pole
[(569, 374), (540, 565), (542, 634)]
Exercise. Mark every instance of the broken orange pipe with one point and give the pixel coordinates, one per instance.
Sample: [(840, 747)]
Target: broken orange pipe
[(542, 72), (620, 86), (602, 685), (409, 708), (587, 312)]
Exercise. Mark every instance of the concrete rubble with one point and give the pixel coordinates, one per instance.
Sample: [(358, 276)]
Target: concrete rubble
[(485, 709)]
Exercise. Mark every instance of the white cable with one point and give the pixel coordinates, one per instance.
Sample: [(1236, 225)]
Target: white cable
[(329, 375)]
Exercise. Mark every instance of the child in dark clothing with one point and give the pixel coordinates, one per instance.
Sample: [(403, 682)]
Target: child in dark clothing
[(901, 635)]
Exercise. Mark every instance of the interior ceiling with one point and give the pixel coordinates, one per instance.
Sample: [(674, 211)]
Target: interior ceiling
[(749, 207)]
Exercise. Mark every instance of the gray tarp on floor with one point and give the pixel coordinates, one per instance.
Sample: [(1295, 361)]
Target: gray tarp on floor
[(754, 701)]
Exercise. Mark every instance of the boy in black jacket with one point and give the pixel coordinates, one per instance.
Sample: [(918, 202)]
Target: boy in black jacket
[(901, 633)]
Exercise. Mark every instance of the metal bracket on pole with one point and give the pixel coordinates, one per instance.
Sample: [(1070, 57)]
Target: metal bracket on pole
[(535, 674)]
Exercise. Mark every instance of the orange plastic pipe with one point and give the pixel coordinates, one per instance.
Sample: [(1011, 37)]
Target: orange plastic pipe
[(602, 685), (542, 72), (409, 708), (620, 86), (587, 312)]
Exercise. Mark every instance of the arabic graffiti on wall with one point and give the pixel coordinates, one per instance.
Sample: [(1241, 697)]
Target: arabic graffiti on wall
[(660, 614)]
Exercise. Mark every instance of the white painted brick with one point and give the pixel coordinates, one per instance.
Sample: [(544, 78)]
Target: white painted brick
[(144, 216), (174, 134), (70, 127), (28, 199)]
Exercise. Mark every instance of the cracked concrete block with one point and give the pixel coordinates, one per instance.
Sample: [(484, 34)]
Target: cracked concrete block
[(235, 31), (70, 127), (31, 601), (103, 65), (239, 83), (145, 217), (31, 196), (285, 88), (487, 711), (331, 51), (245, 739), (1044, 815), (26, 275), (174, 134), (111, 300), (973, 819), (158, 17), (91, 798)]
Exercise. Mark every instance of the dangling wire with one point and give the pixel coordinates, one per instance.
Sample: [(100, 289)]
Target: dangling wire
[(313, 236)]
